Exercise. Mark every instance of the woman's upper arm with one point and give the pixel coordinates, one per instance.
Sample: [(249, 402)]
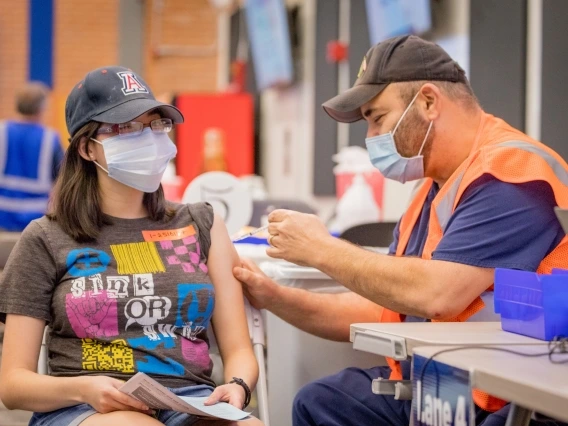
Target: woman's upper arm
[(22, 342), (229, 318)]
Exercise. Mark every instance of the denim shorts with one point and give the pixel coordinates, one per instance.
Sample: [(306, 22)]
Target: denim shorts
[(73, 416)]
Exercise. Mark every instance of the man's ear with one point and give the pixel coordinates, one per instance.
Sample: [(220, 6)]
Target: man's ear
[(431, 98)]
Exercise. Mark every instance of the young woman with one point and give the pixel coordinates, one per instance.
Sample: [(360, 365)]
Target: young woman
[(127, 281)]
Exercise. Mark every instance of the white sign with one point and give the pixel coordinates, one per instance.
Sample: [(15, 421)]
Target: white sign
[(229, 197)]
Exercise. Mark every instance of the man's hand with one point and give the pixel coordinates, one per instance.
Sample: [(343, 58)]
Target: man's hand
[(296, 237), (260, 290)]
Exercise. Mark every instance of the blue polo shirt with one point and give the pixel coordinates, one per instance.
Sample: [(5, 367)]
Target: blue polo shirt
[(496, 225)]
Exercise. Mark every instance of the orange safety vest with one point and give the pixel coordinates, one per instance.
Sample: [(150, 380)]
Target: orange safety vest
[(510, 156)]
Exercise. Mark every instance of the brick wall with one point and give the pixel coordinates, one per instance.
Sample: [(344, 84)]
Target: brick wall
[(86, 36), (13, 52), (183, 24)]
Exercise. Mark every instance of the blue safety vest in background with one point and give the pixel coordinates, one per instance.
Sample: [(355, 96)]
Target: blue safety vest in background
[(29, 158)]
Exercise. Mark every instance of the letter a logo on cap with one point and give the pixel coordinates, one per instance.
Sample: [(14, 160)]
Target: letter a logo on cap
[(363, 67), (131, 84)]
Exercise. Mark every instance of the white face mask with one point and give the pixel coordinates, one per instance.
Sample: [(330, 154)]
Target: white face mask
[(138, 161)]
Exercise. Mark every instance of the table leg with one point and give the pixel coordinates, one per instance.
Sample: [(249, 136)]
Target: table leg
[(518, 416)]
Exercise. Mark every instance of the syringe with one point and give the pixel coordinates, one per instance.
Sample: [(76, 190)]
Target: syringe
[(251, 233)]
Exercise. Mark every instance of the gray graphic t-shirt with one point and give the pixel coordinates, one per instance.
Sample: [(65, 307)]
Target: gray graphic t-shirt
[(139, 299)]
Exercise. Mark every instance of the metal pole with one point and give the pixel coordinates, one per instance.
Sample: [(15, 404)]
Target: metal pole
[(533, 98), (261, 386), (343, 68), (518, 416), (256, 332), (223, 48)]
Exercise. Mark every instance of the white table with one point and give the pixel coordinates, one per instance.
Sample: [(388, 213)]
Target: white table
[(531, 384), (398, 340), (295, 358)]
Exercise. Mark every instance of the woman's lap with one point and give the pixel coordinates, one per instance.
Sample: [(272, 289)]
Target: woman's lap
[(73, 416)]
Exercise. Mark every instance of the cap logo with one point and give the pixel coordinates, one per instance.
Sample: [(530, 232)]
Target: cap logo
[(130, 83), (363, 67)]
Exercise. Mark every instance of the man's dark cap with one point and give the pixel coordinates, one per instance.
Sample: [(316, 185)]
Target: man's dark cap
[(403, 58), (112, 95)]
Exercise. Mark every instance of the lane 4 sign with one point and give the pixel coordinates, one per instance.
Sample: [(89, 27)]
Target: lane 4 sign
[(441, 395)]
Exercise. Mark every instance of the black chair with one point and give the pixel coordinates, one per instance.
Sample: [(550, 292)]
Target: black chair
[(378, 234), (7, 242)]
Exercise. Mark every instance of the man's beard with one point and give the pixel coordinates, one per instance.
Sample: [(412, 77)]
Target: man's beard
[(410, 135)]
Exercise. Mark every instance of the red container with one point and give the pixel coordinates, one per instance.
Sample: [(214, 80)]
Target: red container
[(173, 189)]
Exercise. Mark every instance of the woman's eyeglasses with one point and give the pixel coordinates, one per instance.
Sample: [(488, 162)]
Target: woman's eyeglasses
[(132, 128)]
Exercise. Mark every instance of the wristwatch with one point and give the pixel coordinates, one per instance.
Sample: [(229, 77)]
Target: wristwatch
[(242, 383)]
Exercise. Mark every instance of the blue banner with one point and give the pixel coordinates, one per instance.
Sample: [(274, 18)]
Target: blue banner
[(441, 395), (40, 52), (267, 25)]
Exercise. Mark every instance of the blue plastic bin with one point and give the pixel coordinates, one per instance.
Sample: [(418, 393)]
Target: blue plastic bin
[(531, 304)]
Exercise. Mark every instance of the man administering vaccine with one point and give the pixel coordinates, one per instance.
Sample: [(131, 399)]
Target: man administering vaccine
[(487, 201)]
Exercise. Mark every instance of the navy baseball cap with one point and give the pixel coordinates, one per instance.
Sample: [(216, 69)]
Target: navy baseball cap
[(112, 95), (402, 58)]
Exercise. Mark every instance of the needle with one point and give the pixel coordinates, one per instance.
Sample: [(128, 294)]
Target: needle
[(251, 233)]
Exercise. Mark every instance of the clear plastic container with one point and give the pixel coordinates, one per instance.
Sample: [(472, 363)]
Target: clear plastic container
[(531, 304)]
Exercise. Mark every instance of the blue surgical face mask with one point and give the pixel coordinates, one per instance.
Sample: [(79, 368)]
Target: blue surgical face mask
[(138, 161), (385, 157)]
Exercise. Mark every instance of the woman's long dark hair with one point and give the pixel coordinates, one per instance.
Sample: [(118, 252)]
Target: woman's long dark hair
[(76, 202)]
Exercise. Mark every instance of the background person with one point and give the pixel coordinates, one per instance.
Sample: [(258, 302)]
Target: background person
[(30, 155)]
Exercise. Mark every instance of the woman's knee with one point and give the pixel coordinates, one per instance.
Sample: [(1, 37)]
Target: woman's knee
[(122, 418)]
